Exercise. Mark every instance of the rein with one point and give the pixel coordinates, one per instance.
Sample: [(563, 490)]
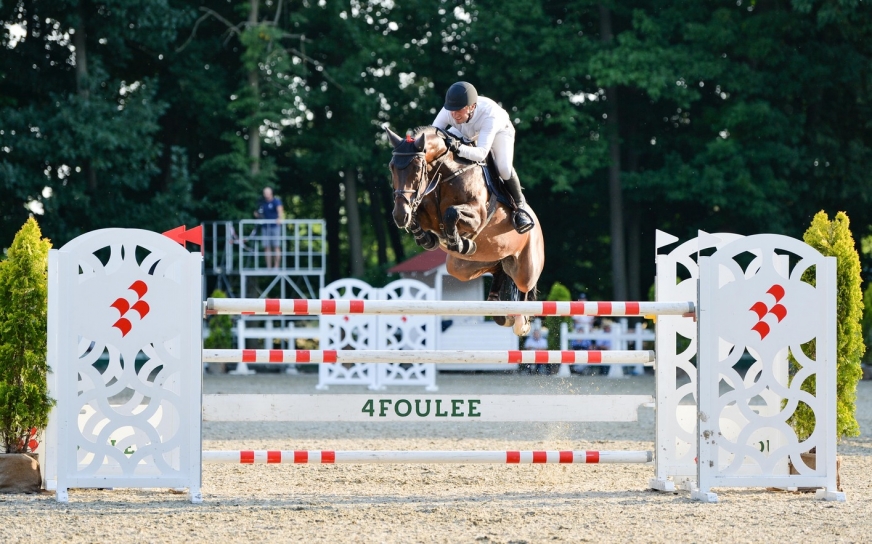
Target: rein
[(433, 182)]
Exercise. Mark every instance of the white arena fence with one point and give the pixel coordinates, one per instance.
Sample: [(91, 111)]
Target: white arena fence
[(124, 294)]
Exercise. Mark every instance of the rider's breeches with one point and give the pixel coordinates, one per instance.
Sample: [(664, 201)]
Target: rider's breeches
[(504, 153)]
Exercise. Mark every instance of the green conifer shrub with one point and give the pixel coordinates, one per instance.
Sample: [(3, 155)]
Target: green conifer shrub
[(560, 293), (220, 328), (834, 239), (24, 400)]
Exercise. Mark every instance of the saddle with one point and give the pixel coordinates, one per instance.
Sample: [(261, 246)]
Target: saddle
[(496, 187)]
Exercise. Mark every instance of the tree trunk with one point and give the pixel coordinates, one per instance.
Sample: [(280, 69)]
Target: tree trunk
[(634, 241), (635, 289), (616, 204), (83, 86), (378, 222), (330, 210), (254, 85), (352, 216)]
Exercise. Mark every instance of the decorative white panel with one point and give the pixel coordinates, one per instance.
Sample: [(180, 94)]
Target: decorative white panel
[(408, 332), (125, 352), (347, 332), (675, 373), (749, 303), (377, 332)]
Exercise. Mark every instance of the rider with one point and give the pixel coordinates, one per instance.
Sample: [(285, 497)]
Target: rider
[(477, 117)]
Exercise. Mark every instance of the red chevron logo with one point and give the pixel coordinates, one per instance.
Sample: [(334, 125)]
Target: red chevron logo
[(123, 306), (762, 310)]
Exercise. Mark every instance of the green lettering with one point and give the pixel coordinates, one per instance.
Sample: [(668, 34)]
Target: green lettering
[(418, 408), (455, 407), (408, 407), (472, 405), (384, 403), (439, 407), (368, 409)]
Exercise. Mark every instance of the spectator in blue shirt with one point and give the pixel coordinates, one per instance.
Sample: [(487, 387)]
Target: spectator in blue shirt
[(270, 207)]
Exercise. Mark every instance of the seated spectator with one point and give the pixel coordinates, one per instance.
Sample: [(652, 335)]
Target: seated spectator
[(535, 341), (582, 323)]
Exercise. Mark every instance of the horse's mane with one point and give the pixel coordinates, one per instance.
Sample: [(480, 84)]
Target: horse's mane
[(428, 129), (407, 147), (417, 131)]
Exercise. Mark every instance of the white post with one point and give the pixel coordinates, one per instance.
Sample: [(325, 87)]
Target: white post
[(638, 370), (563, 370), (617, 371), (241, 368)]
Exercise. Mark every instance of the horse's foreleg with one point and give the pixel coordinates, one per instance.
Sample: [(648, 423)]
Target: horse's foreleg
[(423, 238), (456, 242)]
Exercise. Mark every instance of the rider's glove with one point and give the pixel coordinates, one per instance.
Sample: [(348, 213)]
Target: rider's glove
[(452, 145)]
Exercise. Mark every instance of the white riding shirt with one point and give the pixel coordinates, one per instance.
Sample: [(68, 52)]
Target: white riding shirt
[(491, 126)]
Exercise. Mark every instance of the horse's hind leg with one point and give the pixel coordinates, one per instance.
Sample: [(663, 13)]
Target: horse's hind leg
[(523, 323), (497, 284), (505, 289), (496, 292)]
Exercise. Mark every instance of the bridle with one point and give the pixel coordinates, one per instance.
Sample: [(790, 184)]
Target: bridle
[(432, 183), (416, 189)]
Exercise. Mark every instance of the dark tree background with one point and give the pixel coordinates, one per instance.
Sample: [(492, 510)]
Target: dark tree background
[(735, 115)]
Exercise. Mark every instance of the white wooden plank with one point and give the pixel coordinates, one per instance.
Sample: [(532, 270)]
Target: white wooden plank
[(403, 407)]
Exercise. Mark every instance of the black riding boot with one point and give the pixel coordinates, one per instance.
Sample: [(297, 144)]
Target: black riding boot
[(521, 218)]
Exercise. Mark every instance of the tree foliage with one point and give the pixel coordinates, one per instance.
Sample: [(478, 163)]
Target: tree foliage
[(744, 116), (24, 400), (220, 328), (559, 293)]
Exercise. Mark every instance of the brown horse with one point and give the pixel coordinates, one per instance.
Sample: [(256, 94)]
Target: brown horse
[(443, 200)]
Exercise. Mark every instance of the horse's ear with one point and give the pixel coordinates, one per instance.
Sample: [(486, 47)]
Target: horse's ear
[(393, 138), (421, 142)]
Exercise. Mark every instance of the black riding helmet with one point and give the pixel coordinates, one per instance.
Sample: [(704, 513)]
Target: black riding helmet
[(460, 95)]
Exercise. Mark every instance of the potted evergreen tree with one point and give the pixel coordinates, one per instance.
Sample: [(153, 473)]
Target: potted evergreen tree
[(24, 400), (559, 293), (220, 334), (834, 239)]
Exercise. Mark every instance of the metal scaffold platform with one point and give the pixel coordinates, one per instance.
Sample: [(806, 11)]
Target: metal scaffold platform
[(240, 259)]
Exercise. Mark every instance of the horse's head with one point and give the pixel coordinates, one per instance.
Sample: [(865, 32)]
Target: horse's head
[(409, 167)]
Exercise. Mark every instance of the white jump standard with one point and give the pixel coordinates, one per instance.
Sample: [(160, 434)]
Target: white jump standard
[(144, 316)]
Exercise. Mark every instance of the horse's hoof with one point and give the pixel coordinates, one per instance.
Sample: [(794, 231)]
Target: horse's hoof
[(469, 247), (504, 320), (429, 241), (521, 327)]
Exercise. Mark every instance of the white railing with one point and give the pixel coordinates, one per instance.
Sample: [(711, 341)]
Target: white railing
[(618, 338)]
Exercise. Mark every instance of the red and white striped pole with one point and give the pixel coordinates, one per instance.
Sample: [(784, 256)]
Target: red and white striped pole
[(274, 306), (298, 457), (426, 356)]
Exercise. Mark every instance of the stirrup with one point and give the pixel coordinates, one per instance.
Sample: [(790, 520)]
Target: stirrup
[(522, 220)]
